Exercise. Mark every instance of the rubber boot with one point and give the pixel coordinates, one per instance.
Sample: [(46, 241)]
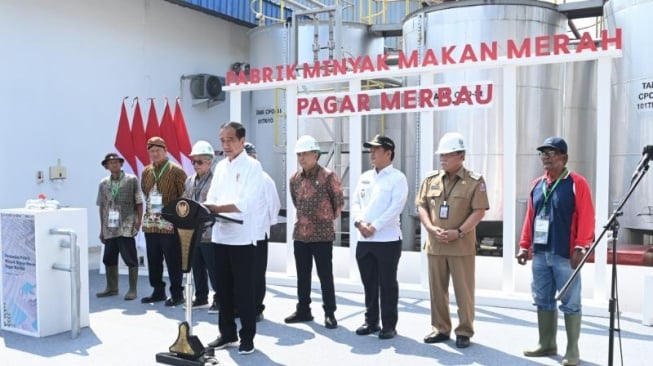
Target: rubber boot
[(572, 325), (547, 324), (133, 281), (112, 282)]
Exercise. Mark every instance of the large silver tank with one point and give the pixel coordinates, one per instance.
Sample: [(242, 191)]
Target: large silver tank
[(544, 107), (632, 108), (271, 45)]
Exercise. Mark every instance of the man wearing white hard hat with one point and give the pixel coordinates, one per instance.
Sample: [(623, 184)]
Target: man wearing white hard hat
[(318, 197), (203, 262), (451, 202)]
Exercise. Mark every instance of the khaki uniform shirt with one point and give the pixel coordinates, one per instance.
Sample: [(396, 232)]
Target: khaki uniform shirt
[(464, 194)]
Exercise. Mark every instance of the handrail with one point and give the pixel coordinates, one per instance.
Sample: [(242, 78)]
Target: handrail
[(75, 279)]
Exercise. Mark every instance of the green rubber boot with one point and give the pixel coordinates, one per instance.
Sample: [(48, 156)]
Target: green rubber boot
[(112, 282), (572, 325), (547, 324), (133, 281)]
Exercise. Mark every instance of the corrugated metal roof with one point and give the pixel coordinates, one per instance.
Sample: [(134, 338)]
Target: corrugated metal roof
[(237, 11)]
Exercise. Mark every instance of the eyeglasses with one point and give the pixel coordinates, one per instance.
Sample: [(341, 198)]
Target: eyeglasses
[(548, 153), (198, 162)]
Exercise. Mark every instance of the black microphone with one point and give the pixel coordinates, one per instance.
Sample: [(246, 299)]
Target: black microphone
[(647, 154)]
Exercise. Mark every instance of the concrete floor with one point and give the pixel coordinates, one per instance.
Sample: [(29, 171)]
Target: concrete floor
[(131, 333)]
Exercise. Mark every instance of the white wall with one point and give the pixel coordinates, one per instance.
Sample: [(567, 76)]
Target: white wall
[(65, 67)]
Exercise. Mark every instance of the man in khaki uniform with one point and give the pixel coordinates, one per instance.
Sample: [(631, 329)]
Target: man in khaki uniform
[(451, 202)]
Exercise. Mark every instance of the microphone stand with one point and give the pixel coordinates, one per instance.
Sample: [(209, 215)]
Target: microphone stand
[(613, 225)]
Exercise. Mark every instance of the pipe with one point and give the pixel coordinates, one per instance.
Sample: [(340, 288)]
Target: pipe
[(75, 279)]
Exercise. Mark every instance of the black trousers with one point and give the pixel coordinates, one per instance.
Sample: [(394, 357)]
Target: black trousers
[(124, 245), (377, 264), (260, 267), (203, 264), (322, 252), (234, 266), (162, 247)]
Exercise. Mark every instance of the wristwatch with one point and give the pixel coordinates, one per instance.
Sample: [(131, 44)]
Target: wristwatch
[(461, 234), (357, 223)]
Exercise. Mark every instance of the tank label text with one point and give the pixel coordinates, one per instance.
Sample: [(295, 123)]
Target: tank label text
[(643, 96)]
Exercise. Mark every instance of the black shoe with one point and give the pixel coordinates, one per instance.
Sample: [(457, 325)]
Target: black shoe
[(222, 342), (366, 329), (330, 322), (246, 347), (214, 309), (259, 317), (436, 338), (387, 333), (298, 318), (153, 298), (174, 302), (200, 304), (462, 341)]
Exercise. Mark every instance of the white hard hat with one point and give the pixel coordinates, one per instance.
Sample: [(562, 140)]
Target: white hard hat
[(306, 143), (451, 142), (202, 148)]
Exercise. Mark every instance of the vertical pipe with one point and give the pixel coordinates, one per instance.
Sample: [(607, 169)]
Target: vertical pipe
[(603, 113), (425, 127), (509, 174), (189, 300), (76, 285), (355, 169), (291, 168), (75, 278)]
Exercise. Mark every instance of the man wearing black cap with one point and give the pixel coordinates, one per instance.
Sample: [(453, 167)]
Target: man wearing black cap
[(558, 228), (379, 198), (121, 209)]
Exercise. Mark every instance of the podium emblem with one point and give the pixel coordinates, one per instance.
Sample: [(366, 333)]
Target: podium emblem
[(182, 208)]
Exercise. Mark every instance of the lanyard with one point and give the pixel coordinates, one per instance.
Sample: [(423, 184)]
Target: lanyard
[(163, 169), (444, 188), (115, 188), (548, 193), (197, 191)]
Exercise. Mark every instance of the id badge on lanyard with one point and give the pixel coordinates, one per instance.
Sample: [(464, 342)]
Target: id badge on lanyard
[(541, 236), (114, 218), (156, 200), (444, 211)]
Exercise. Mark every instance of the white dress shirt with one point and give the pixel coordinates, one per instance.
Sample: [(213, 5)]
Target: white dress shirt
[(379, 199), (236, 182), (267, 207)]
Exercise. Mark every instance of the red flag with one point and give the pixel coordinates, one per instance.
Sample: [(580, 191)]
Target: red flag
[(123, 141), (152, 128), (183, 139), (138, 136), (182, 133), (169, 134)]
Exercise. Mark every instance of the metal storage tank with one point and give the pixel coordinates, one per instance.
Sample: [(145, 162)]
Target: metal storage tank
[(543, 106), (632, 109), (271, 45)]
